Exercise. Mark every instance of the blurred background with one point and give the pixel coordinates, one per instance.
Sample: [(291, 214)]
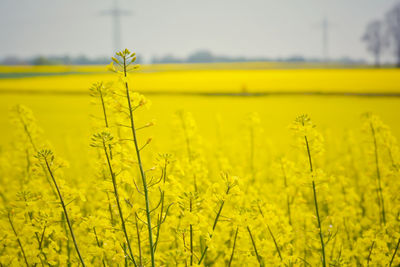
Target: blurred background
[(219, 60), (45, 32)]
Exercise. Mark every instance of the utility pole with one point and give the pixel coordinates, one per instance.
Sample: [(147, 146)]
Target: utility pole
[(115, 12), (325, 30)]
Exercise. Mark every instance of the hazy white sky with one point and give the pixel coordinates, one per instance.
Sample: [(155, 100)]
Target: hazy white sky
[(266, 28)]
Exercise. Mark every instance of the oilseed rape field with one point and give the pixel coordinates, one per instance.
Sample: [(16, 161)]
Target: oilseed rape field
[(257, 164)]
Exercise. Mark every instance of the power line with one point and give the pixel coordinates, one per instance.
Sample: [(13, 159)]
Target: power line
[(325, 41), (325, 26), (116, 13)]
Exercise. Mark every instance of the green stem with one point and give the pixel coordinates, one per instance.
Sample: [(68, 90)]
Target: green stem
[(67, 245), (138, 240), (394, 254), (378, 176), (142, 173), (309, 154), (28, 133), (370, 252), (214, 225), (287, 194), (272, 235), (118, 203), (39, 239), (159, 222), (233, 247), (321, 237), (65, 212), (18, 240), (275, 243), (160, 218), (110, 210), (103, 104), (259, 259), (98, 244)]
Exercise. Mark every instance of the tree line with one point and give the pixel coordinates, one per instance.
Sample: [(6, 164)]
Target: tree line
[(384, 36)]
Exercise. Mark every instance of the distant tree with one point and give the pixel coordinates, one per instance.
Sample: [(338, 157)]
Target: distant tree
[(41, 60), (166, 59), (12, 60), (201, 56), (393, 27), (374, 37)]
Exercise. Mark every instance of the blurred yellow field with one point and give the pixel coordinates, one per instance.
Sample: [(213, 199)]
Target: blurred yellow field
[(226, 79), (67, 117), (339, 112)]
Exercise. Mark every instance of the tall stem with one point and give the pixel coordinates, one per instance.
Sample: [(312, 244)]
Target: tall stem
[(370, 252), (309, 154), (255, 247), (233, 247), (118, 203), (103, 105), (142, 173), (214, 224), (321, 237), (271, 234), (287, 194), (275, 243), (65, 211), (99, 245), (161, 216), (378, 177), (18, 240), (67, 245), (138, 240), (29, 135), (394, 254)]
